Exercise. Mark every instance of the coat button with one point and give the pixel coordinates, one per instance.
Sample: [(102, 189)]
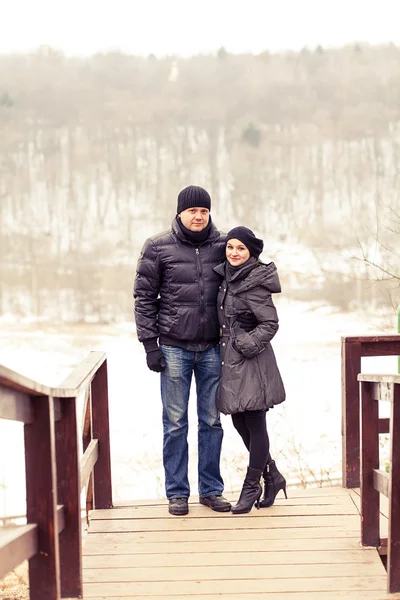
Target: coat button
[(222, 308), (222, 363), (224, 326), (223, 344)]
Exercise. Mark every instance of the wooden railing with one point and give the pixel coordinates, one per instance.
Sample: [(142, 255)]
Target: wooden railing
[(353, 349), (56, 474), (375, 481)]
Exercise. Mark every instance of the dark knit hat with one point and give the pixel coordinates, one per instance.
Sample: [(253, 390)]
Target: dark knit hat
[(246, 236), (192, 196)]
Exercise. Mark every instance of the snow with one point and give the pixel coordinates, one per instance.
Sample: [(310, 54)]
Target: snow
[(305, 431)]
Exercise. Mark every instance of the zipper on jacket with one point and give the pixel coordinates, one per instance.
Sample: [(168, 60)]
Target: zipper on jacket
[(201, 285)]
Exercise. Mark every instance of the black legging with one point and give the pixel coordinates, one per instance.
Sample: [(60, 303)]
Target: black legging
[(252, 427)]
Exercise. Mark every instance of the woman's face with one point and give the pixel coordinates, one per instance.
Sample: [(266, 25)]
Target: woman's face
[(236, 252)]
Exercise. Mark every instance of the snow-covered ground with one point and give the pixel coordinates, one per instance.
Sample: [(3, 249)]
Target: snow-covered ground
[(304, 431)]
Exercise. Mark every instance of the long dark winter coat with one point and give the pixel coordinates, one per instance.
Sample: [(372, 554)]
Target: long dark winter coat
[(176, 289), (250, 378)]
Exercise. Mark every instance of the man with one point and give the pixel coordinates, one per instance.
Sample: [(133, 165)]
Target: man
[(176, 319)]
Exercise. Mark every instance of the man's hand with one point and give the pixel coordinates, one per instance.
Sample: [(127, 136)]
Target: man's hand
[(247, 321), (155, 360)]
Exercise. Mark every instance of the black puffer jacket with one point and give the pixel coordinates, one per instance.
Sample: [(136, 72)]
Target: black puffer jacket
[(250, 378), (176, 289)]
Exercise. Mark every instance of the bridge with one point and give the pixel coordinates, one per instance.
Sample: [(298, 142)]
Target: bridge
[(328, 542)]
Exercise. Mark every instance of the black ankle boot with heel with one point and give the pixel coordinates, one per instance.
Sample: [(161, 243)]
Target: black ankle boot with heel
[(250, 494), (274, 481)]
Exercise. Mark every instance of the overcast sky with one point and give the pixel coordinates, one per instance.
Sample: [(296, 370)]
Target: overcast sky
[(188, 27)]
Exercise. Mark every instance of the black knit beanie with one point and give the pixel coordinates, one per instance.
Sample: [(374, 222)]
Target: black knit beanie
[(193, 196), (246, 236)]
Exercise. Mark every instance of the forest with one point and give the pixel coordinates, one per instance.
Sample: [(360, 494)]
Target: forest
[(303, 147)]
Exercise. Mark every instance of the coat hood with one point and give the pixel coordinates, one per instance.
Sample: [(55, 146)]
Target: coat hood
[(262, 274)]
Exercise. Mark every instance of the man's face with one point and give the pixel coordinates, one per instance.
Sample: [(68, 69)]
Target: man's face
[(195, 219)]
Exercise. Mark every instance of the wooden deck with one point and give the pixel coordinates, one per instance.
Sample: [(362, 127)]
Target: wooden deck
[(306, 547)]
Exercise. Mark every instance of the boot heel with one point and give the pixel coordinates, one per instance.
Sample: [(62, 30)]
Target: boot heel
[(257, 502), (274, 482)]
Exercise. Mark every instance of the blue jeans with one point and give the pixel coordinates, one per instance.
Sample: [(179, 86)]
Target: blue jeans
[(175, 390)]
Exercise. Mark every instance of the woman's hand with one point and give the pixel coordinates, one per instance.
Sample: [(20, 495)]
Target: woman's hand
[(247, 345), (247, 321)]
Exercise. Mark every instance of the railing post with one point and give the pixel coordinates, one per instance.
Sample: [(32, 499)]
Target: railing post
[(351, 367), (398, 331), (86, 438), (101, 431), (393, 556), (41, 499), (69, 494), (369, 461)]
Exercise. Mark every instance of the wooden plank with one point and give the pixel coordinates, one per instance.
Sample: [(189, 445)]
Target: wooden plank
[(88, 461), (386, 379), (109, 544), (68, 492), (265, 595), (15, 406), (101, 431), (174, 557), (335, 491), (381, 481), (393, 556), (165, 588), (383, 504), (15, 381), (247, 572), (235, 534), (162, 504), (83, 374), (372, 339), (383, 519), (16, 545), (351, 367), (236, 522), (41, 500), (69, 388), (201, 512), (381, 348)]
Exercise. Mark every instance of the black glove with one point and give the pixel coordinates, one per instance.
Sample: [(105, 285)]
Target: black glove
[(154, 357), (156, 361), (248, 345), (247, 321)]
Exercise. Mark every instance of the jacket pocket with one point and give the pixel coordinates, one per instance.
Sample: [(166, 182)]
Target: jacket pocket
[(248, 345), (187, 323)]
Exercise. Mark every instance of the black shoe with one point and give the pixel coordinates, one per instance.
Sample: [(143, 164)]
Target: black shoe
[(217, 503), (250, 494), (178, 506), (274, 481)]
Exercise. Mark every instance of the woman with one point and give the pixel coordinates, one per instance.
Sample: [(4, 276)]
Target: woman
[(250, 381)]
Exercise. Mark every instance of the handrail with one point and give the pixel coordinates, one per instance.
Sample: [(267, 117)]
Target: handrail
[(56, 474), (69, 388), (353, 349), (375, 388)]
